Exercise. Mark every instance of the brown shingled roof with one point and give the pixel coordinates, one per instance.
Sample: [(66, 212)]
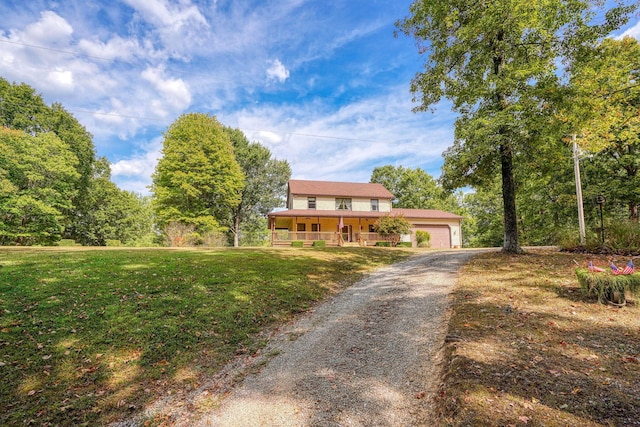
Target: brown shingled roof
[(424, 214), (338, 189)]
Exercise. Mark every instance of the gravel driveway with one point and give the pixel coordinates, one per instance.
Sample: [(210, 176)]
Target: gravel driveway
[(367, 357)]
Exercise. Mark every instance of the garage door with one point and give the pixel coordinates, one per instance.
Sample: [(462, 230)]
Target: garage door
[(440, 235)]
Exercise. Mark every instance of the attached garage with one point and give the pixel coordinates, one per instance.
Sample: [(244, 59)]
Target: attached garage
[(440, 234)]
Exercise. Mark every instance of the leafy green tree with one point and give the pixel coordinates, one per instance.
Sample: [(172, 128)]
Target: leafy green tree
[(485, 208), (36, 185), (265, 184), (414, 188), (21, 108), (198, 180), (607, 94), (392, 227), (497, 61), (254, 231), (116, 215)]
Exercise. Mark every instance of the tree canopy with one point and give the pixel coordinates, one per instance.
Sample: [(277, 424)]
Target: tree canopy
[(37, 176), (21, 108), (497, 62), (198, 180), (265, 183), (414, 188)]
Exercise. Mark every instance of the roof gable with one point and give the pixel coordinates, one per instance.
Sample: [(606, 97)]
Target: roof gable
[(338, 189)]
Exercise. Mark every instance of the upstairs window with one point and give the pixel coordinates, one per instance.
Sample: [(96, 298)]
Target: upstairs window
[(374, 205), (311, 202), (343, 204)]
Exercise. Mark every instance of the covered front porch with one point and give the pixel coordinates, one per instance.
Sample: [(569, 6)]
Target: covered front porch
[(332, 228)]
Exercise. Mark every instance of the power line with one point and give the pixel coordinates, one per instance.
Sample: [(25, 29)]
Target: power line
[(173, 70), (309, 135), (50, 49)]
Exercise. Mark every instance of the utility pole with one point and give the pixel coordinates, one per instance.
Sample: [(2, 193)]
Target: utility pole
[(576, 170)]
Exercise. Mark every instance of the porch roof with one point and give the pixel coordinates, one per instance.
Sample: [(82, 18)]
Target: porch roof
[(407, 213)]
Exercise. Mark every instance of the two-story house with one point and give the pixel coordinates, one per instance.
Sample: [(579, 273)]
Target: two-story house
[(343, 212)]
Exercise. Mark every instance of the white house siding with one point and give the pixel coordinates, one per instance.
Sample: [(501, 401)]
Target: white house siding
[(329, 204)]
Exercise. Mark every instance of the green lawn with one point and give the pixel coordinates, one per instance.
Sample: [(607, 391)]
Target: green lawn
[(88, 336)]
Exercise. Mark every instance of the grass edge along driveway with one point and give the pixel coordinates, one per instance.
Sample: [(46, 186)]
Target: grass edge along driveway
[(89, 336), (527, 348)]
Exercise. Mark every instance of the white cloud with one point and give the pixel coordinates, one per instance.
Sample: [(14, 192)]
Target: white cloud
[(632, 31), (115, 48), (134, 173), (174, 91), (50, 30), (163, 14), (270, 137), (277, 71), (179, 26), (346, 144), (61, 78)]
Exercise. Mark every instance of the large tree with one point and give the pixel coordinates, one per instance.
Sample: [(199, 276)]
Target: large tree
[(198, 180), (22, 108), (497, 62), (265, 184), (36, 186)]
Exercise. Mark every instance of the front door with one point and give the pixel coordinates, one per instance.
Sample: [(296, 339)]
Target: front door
[(347, 233)]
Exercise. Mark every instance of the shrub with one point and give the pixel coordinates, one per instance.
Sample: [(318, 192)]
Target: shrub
[(623, 236), (177, 234), (66, 242), (392, 227), (423, 239), (297, 244), (608, 287), (384, 244), (319, 243), (213, 239), (404, 245), (113, 242)]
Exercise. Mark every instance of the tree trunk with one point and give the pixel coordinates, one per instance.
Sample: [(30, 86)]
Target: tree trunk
[(236, 231), (633, 211), (510, 244)]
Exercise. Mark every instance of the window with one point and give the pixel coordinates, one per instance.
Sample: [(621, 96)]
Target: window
[(302, 227), (343, 204), (374, 205), (315, 227), (311, 202), (372, 228)]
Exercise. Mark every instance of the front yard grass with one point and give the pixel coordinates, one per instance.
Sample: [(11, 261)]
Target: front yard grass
[(89, 336), (526, 347)]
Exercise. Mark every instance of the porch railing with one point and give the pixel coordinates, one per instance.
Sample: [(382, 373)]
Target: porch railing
[(289, 236), (368, 239)]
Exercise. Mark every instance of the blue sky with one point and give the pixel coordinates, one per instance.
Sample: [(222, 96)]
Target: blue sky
[(322, 84)]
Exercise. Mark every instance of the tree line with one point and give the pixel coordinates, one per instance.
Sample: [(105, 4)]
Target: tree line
[(211, 184)]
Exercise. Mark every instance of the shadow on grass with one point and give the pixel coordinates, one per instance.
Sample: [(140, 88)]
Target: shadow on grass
[(535, 351), (90, 336)]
